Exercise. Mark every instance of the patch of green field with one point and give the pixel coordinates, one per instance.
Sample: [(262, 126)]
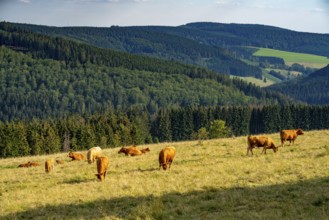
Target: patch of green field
[(308, 60)]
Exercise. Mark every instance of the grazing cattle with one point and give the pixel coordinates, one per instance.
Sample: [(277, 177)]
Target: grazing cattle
[(49, 165), (76, 156), (166, 157), (102, 165), (93, 153), (60, 161), (145, 150), (260, 141), (290, 135), (130, 151)]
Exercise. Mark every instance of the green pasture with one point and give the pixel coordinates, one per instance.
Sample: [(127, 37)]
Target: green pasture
[(307, 60)]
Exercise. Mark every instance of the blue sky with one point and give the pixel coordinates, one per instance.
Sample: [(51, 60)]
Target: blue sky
[(307, 16)]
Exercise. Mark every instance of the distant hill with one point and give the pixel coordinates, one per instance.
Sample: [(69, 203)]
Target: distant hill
[(313, 89), (224, 48), (43, 76), (152, 42)]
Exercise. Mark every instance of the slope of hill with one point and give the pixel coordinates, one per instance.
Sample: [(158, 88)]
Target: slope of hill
[(313, 89), (258, 36), (145, 41), (44, 76), (201, 44), (214, 180)]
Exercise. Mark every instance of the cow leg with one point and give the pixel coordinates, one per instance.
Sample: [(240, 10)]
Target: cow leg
[(264, 150)]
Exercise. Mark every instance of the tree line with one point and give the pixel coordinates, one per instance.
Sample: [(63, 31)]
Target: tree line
[(136, 126)]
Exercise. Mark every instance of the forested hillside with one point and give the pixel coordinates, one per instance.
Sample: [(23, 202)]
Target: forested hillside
[(138, 40), (313, 89), (44, 76), (136, 126), (258, 36)]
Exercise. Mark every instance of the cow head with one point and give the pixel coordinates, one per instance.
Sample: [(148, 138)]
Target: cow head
[(164, 166), (122, 150), (145, 150), (300, 131), (99, 176)]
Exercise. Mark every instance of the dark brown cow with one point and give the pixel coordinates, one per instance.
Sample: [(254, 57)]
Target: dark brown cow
[(260, 141), (166, 157), (24, 165), (290, 135), (130, 151), (102, 165), (76, 156)]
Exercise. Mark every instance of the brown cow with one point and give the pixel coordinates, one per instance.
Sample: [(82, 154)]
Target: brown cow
[(29, 164), (102, 165), (76, 156), (34, 164), (130, 151), (49, 165), (60, 161), (166, 157), (93, 153), (24, 165), (260, 141), (290, 135), (145, 150)]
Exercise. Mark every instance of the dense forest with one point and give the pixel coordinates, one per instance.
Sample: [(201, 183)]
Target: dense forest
[(44, 76), (156, 44), (312, 89), (135, 126)]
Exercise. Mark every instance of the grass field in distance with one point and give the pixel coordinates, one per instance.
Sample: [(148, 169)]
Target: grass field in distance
[(307, 60), (209, 180)]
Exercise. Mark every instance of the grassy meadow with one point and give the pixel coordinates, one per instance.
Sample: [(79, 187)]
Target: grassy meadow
[(209, 180), (307, 60)]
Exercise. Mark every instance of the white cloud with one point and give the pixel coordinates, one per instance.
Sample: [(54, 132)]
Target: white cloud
[(141, 1), (318, 10), (25, 1)]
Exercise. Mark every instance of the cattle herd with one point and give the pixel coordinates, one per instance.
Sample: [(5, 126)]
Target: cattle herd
[(166, 155), (267, 142)]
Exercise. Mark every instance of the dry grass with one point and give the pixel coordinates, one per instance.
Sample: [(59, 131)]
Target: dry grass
[(215, 180)]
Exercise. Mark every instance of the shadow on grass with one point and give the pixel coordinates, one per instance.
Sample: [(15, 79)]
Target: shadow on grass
[(77, 181), (303, 200)]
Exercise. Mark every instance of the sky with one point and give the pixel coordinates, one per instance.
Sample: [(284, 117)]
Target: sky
[(306, 16)]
